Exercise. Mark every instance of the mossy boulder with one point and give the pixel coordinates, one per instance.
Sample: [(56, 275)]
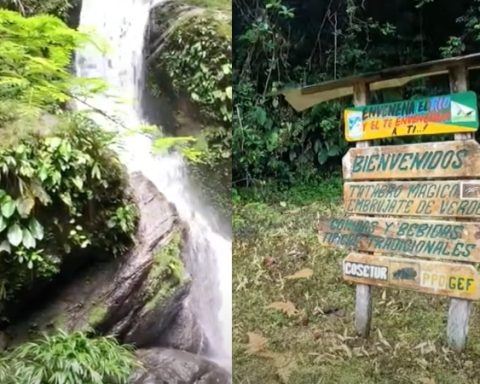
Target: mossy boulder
[(189, 74), (137, 296), (188, 57)]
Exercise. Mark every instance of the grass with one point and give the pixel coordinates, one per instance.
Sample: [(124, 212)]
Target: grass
[(274, 238)]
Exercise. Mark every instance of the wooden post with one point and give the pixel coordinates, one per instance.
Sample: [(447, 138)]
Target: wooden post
[(363, 294), (459, 310)]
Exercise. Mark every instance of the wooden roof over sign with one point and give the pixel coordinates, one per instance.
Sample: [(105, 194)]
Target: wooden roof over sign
[(306, 97)]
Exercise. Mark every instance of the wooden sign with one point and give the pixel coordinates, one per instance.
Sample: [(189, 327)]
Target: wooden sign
[(434, 277), (429, 160), (458, 198), (433, 115), (446, 240)]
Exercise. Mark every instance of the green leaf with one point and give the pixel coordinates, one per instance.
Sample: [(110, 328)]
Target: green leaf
[(36, 229), (322, 157), (15, 235), (5, 246), (25, 205), (28, 240), (333, 150), (8, 207), (67, 199), (227, 69), (78, 182), (40, 193), (3, 223), (53, 142), (228, 91), (260, 115)]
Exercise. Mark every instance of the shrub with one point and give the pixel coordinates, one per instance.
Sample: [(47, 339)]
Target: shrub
[(58, 8), (68, 359), (35, 55), (59, 188)]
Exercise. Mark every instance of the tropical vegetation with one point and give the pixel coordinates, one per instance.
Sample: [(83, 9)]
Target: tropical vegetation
[(282, 43), (63, 191)]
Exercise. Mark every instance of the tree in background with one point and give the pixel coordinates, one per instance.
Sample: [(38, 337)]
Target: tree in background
[(278, 43)]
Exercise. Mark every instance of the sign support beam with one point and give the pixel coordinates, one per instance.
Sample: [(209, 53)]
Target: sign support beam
[(459, 309), (363, 294)]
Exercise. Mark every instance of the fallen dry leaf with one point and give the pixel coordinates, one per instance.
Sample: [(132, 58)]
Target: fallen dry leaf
[(284, 364), (256, 343), (302, 274), (287, 307)]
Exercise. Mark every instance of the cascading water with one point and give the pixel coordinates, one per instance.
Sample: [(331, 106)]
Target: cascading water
[(208, 258)]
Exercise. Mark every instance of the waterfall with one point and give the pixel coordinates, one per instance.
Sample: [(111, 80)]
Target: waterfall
[(122, 23)]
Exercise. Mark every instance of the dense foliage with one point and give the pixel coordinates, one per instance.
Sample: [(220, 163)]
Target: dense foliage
[(62, 190), (279, 43), (57, 189), (67, 359), (35, 57), (58, 8), (197, 59)]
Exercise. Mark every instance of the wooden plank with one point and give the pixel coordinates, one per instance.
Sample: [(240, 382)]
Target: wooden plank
[(444, 114), (445, 240), (459, 310), (456, 198), (302, 98), (448, 159), (432, 277), (363, 293)]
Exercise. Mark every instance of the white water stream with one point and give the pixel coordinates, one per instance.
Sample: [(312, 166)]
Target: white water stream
[(122, 23)]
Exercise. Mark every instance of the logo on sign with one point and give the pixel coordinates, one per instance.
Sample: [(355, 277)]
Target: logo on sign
[(355, 124), (461, 113), (405, 274)]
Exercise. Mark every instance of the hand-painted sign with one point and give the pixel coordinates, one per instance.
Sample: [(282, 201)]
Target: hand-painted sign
[(456, 198), (433, 115), (447, 240), (434, 277), (429, 160)]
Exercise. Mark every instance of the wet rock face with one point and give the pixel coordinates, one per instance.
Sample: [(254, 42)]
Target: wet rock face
[(74, 14), (184, 333), (135, 297), (168, 366), (162, 17)]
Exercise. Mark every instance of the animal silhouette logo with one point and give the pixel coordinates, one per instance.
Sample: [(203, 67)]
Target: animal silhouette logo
[(405, 274)]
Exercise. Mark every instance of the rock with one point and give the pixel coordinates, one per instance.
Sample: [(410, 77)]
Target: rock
[(73, 19), (168, 366), (137, 296), (184, 333), (162, 18)]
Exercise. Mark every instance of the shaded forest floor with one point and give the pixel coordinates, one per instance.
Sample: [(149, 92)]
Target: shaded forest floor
[(291, 328)]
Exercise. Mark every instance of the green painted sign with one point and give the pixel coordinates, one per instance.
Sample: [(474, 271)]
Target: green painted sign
[(433, 115)]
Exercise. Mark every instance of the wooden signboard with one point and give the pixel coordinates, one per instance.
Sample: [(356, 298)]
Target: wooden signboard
[(433, 115), (433, 277), (446, 240), (453, 198), (448, 159)]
